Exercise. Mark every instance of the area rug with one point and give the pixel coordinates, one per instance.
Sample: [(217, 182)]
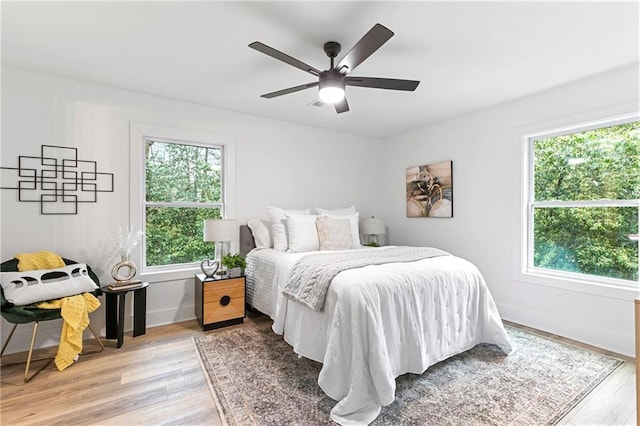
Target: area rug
[(256, 379)]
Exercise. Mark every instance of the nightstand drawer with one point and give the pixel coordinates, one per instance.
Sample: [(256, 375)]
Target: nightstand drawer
[(223, 300), (219, 302)]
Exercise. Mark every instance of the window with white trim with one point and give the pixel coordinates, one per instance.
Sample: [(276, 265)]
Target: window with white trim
[(582, 208), (183, 187), (178, 177)]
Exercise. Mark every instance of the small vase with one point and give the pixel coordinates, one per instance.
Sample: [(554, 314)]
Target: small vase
[(118, 275)]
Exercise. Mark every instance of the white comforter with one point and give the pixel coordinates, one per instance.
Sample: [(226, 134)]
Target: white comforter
[(379, 322)]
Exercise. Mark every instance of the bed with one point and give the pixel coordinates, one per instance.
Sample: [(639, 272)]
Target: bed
[(377, 322)]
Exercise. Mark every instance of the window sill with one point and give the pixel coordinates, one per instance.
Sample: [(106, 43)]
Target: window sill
[(169, 274), (582, 286)]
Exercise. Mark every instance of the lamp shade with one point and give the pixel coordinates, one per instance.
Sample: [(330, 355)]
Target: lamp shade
[(219, 230), (373, 226)]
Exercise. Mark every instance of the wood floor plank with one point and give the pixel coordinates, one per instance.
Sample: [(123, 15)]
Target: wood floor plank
[(616, 391), (157, 379), (201, 411)]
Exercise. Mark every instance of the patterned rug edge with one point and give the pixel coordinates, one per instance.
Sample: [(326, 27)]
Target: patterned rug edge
[(578, 398), (207, 376), (562, 413)]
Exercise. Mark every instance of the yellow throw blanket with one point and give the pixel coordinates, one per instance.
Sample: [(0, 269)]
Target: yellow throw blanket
[(38, 260), (75, 312), (74, 309)]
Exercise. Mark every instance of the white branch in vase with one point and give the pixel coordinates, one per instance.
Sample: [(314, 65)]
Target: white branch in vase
[(126, 241)]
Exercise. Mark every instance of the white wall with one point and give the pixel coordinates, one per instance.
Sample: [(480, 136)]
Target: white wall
[(287, 165), (485, 149), (277, 163)]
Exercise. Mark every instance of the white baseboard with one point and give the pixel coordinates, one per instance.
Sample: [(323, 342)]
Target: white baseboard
[(611, 340), (170, 316), (48, 335), (49, 331), (155, 318)]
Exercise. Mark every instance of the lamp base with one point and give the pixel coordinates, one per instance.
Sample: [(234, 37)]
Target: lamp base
[(372, 239), (221, 248)]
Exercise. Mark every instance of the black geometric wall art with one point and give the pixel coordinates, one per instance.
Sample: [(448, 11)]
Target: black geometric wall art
[(57, 180)]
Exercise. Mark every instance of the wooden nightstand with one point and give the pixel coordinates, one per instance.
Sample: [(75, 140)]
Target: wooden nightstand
[(219, 301)]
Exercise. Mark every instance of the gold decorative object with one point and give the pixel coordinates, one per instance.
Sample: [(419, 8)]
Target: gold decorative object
[(124, 271), (125, 263)]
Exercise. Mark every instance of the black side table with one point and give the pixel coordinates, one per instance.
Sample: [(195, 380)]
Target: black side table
[(114, 312)]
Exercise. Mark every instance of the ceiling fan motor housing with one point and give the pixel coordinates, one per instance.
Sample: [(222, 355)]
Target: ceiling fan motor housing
[(332, 48), (331, 78)]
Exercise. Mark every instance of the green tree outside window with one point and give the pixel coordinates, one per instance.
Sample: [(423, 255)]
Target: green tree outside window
[(183, 187), (586, 193)]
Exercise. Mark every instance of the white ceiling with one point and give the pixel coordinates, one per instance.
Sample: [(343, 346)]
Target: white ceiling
[(468, 56)]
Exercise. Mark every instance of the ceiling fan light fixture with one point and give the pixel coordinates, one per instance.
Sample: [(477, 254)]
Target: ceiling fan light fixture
[(331, 94), (331, 86)]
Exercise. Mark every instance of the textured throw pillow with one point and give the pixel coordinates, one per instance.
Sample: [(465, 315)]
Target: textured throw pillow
[(339, 212), (25, 288), (260, 233), (334, 234), (302, 233), (354, 219), (278, 225)]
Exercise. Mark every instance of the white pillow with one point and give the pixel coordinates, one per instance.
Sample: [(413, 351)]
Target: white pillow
[(278, 229), (340, 212), (354, 219), (334, 234), (25, 288), (260, 233), (302, 233)]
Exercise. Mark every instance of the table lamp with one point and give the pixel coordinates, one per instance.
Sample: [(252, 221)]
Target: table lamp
[(221, 232), (372, 227)]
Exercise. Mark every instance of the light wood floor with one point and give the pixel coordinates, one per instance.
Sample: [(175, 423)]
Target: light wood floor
[(157, 379)]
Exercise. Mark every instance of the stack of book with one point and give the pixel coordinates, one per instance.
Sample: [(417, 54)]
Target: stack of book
[(125, 285)]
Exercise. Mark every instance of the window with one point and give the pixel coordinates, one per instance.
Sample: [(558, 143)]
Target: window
[(179, 179), (583, 203), (183, 187)]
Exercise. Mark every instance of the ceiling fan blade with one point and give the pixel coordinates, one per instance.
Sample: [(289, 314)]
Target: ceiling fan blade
[(270, 51), (342, 106), (382, 83), (376, 37), (289, 90)]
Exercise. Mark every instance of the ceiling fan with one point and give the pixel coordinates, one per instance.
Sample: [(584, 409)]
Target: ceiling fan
[(332, 82)]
